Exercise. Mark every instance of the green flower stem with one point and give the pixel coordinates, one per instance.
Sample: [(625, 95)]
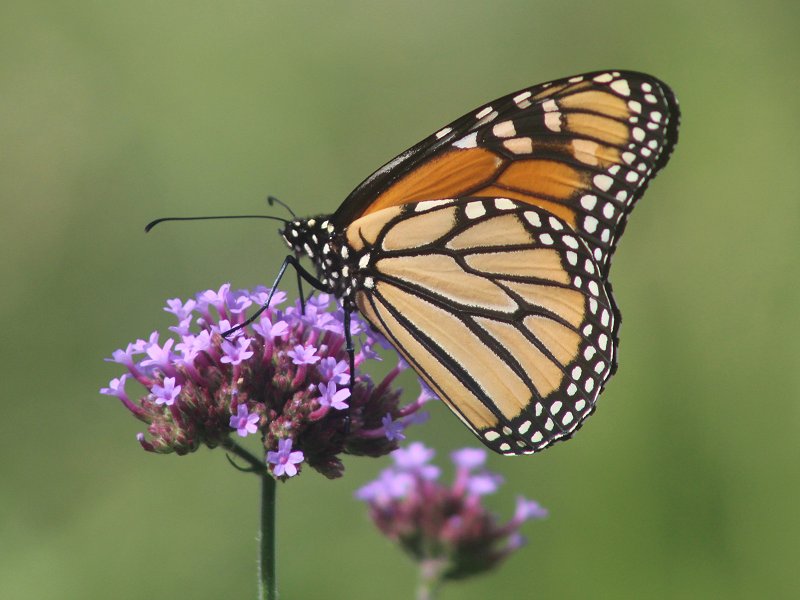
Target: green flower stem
[(257, 465), (430, 579), (267, 582), (426, 591)]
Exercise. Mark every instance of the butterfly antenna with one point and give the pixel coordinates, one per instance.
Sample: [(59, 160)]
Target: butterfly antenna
[(152, 224), (272, 200)]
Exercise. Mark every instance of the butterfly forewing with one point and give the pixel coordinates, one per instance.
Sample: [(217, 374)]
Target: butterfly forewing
[(582, 148), (500, 307)]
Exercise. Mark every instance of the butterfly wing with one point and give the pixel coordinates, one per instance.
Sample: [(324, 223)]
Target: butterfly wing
[(498, 305), (583, 148)]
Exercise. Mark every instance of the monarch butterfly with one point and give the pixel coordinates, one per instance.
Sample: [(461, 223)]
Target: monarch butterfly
[(482, 253)]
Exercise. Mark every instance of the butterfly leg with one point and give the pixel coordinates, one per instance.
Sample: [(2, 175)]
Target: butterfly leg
[(351, 353), (301, 274), (301, 293)]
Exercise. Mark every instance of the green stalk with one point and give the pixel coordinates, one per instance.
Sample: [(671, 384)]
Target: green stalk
[(267, 582), (430, 579)]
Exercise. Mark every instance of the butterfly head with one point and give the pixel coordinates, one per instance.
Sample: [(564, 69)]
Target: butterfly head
[(308, 237), (317, 239)]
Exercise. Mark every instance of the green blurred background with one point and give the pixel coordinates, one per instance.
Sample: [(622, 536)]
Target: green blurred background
[(683, 485)]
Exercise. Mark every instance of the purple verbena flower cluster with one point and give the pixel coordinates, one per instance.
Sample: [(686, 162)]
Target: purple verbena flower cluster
[(447, 530), (285, 377)]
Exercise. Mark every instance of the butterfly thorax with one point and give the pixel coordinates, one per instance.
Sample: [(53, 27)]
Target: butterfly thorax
[(327, 248)]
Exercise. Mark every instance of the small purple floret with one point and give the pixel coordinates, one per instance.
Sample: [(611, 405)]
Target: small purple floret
[(215, 298), (167, 393), (284, 459), (243, 422), (393, 429), (414, 458), (160, 356), (116, 387), (331, 397), (484, 483), (529, 509), (236, 353), (179, 309), (303, 355), (260, 294), (269, 330), (333, 370), (469, 458)]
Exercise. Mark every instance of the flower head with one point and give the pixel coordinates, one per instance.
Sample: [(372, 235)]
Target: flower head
[(446, 529), (286, 376)]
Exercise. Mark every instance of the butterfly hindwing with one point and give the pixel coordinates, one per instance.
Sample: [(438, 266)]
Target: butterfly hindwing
[(498, 305), (582, 148)]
